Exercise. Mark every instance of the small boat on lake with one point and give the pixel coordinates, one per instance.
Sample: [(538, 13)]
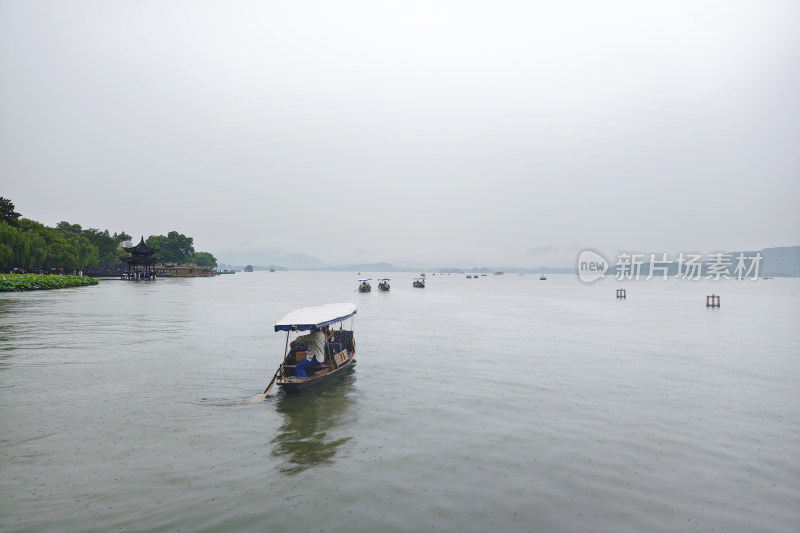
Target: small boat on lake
[(339, 346), (419, 283), (364, 286), (542, 277), (383, 284)]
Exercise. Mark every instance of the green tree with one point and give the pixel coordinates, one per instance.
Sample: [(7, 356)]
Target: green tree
[(204, 259), (7, 213), (157, 242), (121, 237), (107, 246), (174, 248), (30, 248), (51, 248), (69, 228), (9, 242)]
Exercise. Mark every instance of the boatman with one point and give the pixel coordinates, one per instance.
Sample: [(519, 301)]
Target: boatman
[(316, 351)]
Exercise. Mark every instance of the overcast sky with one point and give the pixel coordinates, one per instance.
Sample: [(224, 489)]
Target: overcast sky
[(452, 133)]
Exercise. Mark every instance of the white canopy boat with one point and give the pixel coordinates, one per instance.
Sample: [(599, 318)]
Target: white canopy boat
[(340, 346)]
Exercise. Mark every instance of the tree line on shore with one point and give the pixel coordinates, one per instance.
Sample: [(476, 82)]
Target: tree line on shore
[(31, 246)]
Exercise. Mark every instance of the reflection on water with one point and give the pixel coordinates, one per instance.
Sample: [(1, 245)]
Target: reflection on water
[(6, 305), (315, 424)]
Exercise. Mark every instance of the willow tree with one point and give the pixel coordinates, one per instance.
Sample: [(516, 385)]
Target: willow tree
[(39, 246), (9, 238)]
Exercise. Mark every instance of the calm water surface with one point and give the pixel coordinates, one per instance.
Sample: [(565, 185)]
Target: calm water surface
[(502, 403)]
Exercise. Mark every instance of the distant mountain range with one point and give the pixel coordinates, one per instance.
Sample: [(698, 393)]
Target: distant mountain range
[(775, 262), (388, 267)]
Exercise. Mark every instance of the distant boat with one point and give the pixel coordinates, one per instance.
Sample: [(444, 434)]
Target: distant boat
[(419, 283), (383, 285), (542, 277), (364, 286)]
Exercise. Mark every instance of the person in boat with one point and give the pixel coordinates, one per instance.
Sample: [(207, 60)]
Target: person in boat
[(316, 351)]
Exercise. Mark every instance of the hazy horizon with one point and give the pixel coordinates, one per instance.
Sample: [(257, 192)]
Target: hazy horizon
[(475, 133)]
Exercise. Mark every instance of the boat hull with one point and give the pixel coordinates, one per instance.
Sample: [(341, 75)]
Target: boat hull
[(304, 384)]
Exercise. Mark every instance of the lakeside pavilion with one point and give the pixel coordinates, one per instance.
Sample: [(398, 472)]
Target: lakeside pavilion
[(141, 260)]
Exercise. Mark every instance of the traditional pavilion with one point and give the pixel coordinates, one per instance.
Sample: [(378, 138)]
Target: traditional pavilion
[(141, 260)]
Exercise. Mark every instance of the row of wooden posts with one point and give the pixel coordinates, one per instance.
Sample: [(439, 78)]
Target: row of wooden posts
[(711, 301)]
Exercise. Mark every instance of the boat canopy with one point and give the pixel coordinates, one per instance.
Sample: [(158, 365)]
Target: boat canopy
[(308, 318)]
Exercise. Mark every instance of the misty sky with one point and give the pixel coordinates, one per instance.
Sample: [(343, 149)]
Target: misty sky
[(451, 133)]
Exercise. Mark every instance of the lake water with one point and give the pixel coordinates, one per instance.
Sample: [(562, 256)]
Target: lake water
[(502, 403)]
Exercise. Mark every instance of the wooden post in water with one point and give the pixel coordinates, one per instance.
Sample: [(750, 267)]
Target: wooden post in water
[(622, 293), (712, 301)]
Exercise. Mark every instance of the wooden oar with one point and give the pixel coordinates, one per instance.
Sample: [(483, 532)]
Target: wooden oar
[(271, 383)]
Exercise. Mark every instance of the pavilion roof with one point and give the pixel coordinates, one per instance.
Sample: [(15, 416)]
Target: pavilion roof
[(140, 249)]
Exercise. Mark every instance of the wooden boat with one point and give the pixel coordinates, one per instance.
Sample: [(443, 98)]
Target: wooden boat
[(383, 284), (364, 286), (340, 346), (419, 283)]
